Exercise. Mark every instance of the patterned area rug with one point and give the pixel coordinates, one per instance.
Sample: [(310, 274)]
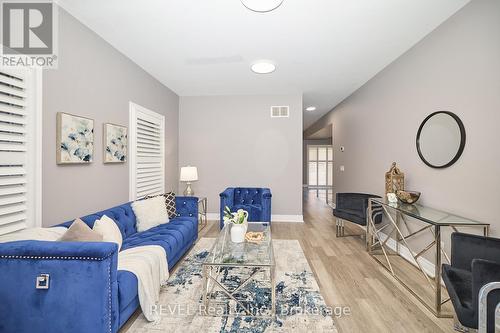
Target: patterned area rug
[(299, 304)]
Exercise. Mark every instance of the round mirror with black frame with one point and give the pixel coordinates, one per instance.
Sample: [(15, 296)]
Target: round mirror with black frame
[(441, 139)]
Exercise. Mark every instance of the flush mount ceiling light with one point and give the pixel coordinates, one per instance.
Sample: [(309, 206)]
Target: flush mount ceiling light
[(263, 67), (262, 6), (311, 108)]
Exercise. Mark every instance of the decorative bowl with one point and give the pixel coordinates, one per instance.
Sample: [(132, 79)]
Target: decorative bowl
[(408, 197), (254, 237)]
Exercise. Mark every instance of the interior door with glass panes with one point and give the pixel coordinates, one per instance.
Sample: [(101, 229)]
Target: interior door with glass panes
[(320, 170)]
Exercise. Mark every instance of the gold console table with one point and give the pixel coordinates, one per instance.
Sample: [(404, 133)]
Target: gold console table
[(388, 244)]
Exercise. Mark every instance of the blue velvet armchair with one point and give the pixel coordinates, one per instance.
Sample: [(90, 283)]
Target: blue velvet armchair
[(256, 201)]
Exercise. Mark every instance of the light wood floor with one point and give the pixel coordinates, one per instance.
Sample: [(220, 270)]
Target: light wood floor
[(348, 276)]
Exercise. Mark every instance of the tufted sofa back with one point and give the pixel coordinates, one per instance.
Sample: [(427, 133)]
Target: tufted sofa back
[(125, 218), (247, 196), (123, 215)]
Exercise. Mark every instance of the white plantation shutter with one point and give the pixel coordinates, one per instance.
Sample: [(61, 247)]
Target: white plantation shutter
[(147, 169), (17, 151)]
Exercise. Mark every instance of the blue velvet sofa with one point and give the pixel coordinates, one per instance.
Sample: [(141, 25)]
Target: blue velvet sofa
[(86, 291), (256, 201)]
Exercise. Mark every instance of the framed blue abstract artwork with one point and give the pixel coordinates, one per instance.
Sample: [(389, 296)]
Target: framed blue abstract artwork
[(115, 143), (75, 139)]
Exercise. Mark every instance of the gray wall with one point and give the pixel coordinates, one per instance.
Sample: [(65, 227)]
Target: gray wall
[(455, 68), (305, 143), (96, 81), (234, 142)]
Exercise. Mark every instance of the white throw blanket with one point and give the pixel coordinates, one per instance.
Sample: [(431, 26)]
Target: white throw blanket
[(40, 234), (149, 264)]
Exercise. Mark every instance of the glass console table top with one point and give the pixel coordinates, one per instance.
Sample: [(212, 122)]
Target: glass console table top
[(427, 214), (226, 253)]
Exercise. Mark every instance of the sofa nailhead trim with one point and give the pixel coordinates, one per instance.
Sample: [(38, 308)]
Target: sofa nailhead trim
[(56, 257), (109, 296)]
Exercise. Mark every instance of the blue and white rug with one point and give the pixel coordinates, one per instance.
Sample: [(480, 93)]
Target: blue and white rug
[(299, 304)]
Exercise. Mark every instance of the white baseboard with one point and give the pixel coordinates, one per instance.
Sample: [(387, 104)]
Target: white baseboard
[(426, 265), (274, 218)]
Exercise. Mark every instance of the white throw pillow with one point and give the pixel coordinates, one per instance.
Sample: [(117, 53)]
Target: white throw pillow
[(150, 213), (109, 230)]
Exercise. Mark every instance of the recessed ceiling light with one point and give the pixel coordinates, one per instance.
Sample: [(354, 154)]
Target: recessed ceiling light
[(263, 67), (311, 108), (262, 6)]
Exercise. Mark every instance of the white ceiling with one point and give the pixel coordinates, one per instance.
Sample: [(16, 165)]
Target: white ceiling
[(325, 49)]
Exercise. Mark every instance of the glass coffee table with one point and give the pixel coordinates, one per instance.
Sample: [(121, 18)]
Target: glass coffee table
[(238, 278)]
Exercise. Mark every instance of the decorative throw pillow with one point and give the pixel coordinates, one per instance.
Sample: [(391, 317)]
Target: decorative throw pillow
[(109, 230), (80, 232), (169, 203), (150, 212)]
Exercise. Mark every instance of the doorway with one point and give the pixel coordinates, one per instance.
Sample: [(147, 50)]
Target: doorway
[(320, 171), (318, 165)]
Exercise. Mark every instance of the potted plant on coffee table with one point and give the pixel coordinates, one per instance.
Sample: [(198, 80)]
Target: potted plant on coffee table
[(239, 223)]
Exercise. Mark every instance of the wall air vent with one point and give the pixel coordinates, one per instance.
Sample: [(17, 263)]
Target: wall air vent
[(280, 111)]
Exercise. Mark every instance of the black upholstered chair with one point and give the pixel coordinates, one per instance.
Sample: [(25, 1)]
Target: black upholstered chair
[(352, 207), (475, 262)]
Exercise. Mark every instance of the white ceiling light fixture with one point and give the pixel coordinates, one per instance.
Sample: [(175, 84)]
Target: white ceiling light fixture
[(262, 6), (263, 67), (311, 108)]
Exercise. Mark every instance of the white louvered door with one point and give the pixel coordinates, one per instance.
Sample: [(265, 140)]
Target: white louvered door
[(17, 151), (147, 158)]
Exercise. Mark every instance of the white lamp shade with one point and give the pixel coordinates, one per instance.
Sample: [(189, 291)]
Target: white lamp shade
[(189, 174)]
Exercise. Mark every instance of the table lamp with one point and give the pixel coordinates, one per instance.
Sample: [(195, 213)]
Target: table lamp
[(189, 174)]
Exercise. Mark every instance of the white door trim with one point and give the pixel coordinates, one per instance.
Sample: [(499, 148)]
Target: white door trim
[(38, 112)]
